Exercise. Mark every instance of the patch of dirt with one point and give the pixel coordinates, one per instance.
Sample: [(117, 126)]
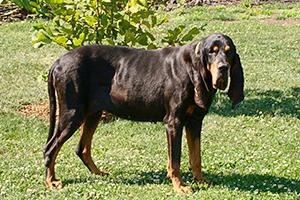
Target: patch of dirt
[(41, 111)]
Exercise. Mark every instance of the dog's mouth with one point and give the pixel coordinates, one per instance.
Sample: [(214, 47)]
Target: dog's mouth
[(221, 83), (220, 73)]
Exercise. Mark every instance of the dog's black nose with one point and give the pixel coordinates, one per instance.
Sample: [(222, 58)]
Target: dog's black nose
[(223, 68)]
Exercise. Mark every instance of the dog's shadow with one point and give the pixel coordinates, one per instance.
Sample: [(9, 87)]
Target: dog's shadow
[(249, 182), (256, 182), (261, 102)]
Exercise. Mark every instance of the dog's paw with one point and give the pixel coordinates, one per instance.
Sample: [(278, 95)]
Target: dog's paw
[(202, 180), (183, 189), (53, 184), (179, 186), (101, 173)]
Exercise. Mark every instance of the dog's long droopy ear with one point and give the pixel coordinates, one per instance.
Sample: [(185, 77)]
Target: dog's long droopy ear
[(195, 61), (236, 87)]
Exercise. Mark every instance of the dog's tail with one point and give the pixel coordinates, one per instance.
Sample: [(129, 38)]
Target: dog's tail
[(52, 102)]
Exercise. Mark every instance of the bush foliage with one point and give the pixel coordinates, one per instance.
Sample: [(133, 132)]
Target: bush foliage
[(131, 23)]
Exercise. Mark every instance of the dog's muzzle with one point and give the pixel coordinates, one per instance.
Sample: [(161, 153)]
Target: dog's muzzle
[(222, 77)]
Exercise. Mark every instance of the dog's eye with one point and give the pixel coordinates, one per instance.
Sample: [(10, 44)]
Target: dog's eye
[(214, 49), (227, 49)]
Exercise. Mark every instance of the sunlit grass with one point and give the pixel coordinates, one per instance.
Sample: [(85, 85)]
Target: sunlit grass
[(249, 153)]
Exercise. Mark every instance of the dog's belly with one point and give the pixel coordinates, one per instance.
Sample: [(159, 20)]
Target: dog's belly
[(137, 110), (137, 114), (134, 105)]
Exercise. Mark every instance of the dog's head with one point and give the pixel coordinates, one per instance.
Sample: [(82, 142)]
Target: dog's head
[(216, 60), (217, 53)]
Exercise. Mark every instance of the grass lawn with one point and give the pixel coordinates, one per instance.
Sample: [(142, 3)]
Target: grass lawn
[(249, 153)]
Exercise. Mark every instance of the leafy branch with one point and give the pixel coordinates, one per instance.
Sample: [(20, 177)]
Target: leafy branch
[(76, 23)]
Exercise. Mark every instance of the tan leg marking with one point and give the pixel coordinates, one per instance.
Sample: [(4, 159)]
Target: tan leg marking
[(195, 155), (178, 184), (87, 133), (51, 182), (169, 174)]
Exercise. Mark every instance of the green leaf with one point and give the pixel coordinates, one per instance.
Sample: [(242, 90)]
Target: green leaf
[(124, 24), (143, 2), (153, 20), (90, 36), (151, 46), (79, 41), (104, 20), (150, 36), (53, 2), (38, 26), (100, 35), (190, 35), (90, 20), (163, 20), (61, 40), (34, 6), (41, 36), (135, 6), (76, 16), (110, 41), (76, 42), (146, 23), (67, 30), (142, 39), (129, 37)]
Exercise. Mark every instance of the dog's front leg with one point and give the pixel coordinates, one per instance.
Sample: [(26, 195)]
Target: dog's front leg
[(174, 134), (193, 135)]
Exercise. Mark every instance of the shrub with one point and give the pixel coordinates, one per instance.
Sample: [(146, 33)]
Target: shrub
[(122, 22)]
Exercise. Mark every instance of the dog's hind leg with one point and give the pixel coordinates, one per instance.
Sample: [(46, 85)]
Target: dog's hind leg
[(69, 122), (84, 147)]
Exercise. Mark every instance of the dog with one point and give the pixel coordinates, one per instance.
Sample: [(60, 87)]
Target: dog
[(175, 85)]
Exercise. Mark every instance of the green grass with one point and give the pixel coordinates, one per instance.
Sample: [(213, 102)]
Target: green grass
[(249, 153), (236, 13)]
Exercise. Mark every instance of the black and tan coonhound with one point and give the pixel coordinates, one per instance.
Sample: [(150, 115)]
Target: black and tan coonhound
[(175, 85)]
